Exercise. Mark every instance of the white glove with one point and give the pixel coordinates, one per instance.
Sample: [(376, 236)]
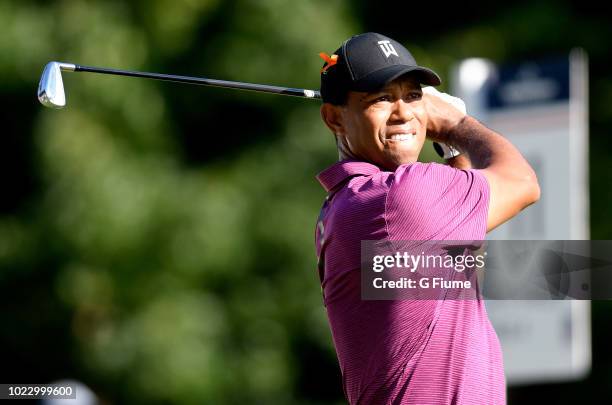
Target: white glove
[(446, 151), (454, 101)]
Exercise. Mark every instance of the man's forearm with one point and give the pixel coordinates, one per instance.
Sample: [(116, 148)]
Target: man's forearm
[(486, 148), (512, 182)]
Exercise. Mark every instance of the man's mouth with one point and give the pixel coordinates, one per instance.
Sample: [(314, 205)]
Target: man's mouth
[(401, 137)]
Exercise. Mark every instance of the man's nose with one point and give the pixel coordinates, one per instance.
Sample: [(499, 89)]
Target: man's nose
[(402, 111)]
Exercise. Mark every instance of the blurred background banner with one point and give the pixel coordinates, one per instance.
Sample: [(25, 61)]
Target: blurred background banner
[(157, 239)]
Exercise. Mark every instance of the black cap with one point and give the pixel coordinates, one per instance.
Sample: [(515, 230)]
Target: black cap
[(367, 62)]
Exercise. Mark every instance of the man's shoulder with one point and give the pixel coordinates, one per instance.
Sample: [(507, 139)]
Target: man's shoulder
[(431, 182), (417, 175), (431, 176), (420, 169), (432, 200)]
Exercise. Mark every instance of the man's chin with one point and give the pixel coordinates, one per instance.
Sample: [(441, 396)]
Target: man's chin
[(393, 162)]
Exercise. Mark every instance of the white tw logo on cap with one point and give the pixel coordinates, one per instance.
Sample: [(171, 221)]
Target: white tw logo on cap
[(387, 48)]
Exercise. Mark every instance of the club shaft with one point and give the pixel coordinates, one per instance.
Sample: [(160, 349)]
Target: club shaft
[(263, 88)]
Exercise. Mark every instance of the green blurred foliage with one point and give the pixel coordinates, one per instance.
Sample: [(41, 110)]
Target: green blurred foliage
[(156, 240), (177, 281)]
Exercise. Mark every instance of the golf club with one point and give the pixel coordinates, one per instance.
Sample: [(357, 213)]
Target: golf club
[(51, 87)]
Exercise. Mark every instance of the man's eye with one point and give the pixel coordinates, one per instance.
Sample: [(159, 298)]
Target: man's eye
[(415, 96), (383, 98)]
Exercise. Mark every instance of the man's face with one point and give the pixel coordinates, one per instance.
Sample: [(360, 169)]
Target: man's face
[(386, 127)]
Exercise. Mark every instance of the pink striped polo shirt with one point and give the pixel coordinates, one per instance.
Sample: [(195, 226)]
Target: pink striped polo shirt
[(405, 351)]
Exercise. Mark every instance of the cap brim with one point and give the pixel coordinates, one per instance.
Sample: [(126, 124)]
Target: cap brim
[(378, 79)]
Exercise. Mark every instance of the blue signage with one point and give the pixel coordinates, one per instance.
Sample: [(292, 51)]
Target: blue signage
[(529, 84)]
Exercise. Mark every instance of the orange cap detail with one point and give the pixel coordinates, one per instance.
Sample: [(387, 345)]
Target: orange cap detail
[(331, 61)]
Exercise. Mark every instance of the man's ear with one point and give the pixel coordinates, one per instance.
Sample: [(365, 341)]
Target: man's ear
[(332, 117)]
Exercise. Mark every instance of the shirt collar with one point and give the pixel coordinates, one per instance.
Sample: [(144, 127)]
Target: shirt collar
[(339, 171)]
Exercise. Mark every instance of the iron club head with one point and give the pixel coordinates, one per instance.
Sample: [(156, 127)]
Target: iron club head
[(51, 87)]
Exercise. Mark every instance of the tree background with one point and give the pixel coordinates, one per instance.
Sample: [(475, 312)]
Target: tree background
[(156, 239)]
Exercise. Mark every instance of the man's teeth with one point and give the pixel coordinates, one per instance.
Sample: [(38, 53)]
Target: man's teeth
[(401, 137)]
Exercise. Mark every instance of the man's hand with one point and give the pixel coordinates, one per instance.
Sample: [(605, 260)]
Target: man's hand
[(444, 113)]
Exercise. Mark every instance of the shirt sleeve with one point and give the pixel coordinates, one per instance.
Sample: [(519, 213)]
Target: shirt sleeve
[(431, 201)]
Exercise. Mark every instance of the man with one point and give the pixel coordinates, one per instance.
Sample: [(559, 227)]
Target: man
[(408, 351)]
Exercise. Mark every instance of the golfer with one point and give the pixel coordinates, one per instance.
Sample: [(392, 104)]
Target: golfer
[(408, 351)]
